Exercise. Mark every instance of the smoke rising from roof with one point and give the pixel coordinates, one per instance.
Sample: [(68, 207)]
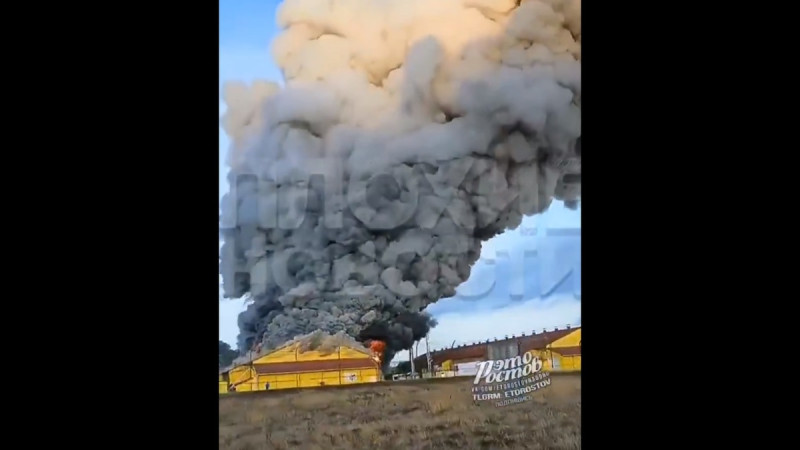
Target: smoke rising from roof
[(408, 132)]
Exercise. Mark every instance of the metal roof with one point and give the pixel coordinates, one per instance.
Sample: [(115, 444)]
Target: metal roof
[(338, 340), (536, 341)]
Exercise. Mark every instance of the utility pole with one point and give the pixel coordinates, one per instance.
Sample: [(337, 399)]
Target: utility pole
[(411, 359), (428, 355), (416, 350)]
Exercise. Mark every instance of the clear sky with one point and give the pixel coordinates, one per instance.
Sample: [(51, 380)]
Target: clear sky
[(525, 280)]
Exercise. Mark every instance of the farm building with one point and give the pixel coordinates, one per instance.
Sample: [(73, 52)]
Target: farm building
[(559, 350), (223, 385), (291, 367)]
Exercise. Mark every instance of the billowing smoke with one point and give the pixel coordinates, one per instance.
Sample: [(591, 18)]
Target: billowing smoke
[(407, 132)]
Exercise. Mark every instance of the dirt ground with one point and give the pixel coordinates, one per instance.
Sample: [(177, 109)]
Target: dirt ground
[(401, 415)]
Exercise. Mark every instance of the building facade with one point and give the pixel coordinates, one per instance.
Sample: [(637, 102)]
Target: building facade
[(288, 367), (558, 349)]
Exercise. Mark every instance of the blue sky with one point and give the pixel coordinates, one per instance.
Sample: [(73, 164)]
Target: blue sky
[(525, 280)]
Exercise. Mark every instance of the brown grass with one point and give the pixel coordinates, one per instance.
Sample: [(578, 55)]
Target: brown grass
[(401, 415)]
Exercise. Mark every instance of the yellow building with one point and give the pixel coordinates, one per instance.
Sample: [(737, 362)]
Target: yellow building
[(559, 350), (564, 354), (223, 383), (288, 367)]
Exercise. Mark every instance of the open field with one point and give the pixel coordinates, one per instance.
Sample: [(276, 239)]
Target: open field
[(401, 415)]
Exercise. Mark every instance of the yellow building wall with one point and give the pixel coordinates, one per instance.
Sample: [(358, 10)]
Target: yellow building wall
[(310, 379), (333, 378), (246, 387), (240, 374), (571, 340), (572, 363), (223, 387), (561, 363), (552, 361), (246, 379)]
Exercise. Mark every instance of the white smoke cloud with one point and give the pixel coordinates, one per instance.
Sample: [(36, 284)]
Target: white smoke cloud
[(436, 125)]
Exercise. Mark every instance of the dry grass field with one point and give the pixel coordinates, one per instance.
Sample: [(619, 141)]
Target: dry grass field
[(401, 415)]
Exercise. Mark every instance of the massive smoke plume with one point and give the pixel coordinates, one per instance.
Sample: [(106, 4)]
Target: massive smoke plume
[(407, 132)]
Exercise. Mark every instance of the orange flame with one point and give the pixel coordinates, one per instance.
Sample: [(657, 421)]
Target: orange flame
[(377, 348)]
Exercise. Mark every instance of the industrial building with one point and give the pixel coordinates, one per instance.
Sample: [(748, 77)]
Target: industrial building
[(288, 367), (559, 350)]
